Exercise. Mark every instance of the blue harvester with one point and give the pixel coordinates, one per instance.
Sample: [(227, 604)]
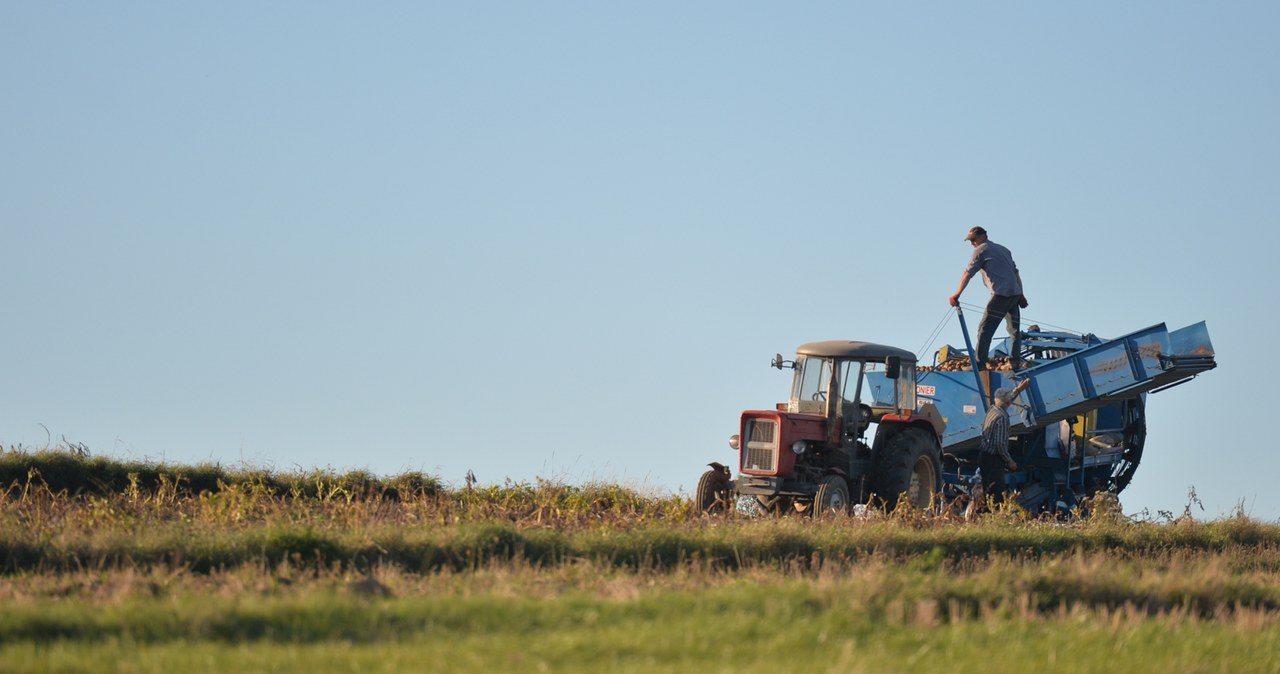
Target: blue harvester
[(867, 423), (1079, 426)]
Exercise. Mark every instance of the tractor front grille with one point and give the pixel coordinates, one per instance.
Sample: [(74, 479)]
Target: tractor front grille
[(760, 452)]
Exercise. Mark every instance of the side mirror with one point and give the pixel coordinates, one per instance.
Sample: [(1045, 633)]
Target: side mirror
[(779, 363), (892, 367)]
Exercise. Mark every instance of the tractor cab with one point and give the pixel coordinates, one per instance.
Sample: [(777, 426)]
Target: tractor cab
[(851, 385)]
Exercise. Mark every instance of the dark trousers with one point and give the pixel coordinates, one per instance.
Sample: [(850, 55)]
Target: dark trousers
[(1006, 307), (992, 467)]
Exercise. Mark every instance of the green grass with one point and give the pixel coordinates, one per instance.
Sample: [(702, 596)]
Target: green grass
[(790, 626), (999, 649), (211, 570)]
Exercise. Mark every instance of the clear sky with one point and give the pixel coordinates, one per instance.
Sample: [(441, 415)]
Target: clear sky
[(564, 239)]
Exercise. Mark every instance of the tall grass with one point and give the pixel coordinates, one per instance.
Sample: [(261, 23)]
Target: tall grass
[(79, 474), (359, 521), (123, 567)]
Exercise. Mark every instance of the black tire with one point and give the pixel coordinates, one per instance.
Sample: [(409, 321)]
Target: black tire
[(909, 465), (712, 493), (832, 497)]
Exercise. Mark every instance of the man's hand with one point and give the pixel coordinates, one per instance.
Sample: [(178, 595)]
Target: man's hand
[(954, 300), (1021, 385), (1012, 465), (1022, 301)]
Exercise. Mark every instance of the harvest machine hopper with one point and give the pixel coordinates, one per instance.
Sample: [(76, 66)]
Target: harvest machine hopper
[(1079, 426)]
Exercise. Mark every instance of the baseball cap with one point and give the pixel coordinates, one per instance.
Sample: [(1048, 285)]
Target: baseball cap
[(975, 232)]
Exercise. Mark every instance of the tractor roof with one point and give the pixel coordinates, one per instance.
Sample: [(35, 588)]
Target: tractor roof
[(839, 348)]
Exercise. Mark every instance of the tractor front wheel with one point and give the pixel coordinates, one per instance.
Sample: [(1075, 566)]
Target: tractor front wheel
[(776, 506), (712, 493), (832, 497)]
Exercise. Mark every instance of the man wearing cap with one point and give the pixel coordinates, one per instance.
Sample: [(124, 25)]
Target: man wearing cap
[(995, 444), (1001, 275)]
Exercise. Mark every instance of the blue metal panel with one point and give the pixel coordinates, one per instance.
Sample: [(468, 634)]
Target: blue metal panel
[(1149, 345), (1056, 385), (958, 399), (1108, 369), (1192, 340)]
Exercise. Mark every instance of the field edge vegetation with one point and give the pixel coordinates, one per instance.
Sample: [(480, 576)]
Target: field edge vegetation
[(147, 567)]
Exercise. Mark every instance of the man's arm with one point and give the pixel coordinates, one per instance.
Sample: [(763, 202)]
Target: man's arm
[(1008, 460), (964, 281), (975, 264)]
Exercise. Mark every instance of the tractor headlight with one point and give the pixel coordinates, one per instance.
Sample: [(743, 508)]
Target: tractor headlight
[(734, 441), (799, 446)]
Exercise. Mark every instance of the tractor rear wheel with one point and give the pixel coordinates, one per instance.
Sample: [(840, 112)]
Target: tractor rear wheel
[(832, 497), (712, 493), (910, 466)]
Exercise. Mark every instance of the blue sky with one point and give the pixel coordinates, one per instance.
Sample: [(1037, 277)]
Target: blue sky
[(563, 240)]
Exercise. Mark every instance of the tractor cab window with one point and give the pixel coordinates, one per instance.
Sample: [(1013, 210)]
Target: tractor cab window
[(856, 418), (877, 389), (907, 387), (850, 372), (812, 376), (809, 389)]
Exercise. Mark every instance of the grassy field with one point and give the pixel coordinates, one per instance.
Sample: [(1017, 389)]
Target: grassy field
[(118, 567)]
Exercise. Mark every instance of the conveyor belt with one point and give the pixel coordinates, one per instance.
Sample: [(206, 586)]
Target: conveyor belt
[(1140, 362)]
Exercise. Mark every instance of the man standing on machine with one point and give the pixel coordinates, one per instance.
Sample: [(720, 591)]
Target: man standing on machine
[(1001, 275)]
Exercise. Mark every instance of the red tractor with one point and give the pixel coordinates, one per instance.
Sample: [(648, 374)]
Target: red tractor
[(810, 454)]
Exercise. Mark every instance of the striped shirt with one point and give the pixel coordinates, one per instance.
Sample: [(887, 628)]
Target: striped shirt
[(995, 433)]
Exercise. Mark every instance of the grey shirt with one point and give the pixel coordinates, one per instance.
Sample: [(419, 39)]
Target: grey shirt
[(997, 267)]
